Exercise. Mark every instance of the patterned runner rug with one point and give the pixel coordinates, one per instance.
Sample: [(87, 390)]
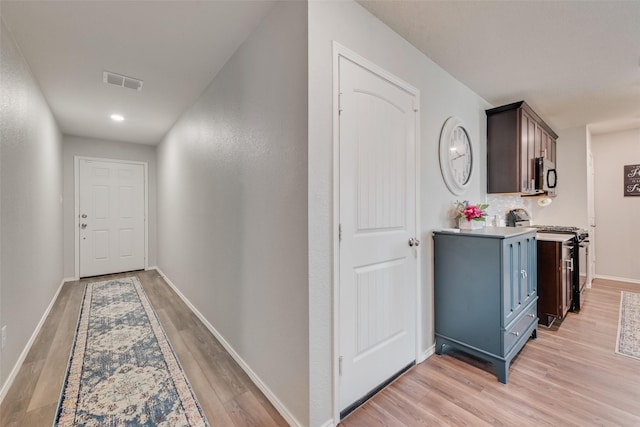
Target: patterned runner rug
[(628, 343), (122, 370)]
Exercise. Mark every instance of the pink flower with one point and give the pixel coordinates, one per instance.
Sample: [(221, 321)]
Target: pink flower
[(470, 212)]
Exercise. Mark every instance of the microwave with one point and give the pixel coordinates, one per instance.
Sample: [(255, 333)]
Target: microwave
[(546, 176)]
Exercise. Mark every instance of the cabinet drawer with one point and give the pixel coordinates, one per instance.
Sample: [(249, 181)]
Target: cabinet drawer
[(518, 327)]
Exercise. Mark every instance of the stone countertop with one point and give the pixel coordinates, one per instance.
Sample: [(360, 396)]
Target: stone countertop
[(501, 232), (554, 237)]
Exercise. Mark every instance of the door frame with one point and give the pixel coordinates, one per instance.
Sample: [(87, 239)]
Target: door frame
[(338, 52), (76, 214)]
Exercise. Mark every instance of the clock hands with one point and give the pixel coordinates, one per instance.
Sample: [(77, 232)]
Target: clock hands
[(458, 156)]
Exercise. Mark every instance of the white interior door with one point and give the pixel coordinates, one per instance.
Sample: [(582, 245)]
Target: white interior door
[(112, 215), (377, 266)]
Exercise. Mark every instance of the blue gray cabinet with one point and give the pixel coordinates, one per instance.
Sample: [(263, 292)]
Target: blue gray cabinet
[(485, 292)]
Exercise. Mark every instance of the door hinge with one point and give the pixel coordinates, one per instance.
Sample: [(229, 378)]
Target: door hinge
[(340, 365), (340, 232), (340, 103)]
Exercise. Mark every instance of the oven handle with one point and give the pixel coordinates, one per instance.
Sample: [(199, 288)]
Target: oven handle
[(570, 262)]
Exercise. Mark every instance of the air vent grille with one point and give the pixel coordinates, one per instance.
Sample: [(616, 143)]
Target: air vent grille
[(122, 81)]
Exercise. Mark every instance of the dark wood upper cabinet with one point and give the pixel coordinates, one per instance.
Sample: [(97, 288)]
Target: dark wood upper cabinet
[(516, 135)]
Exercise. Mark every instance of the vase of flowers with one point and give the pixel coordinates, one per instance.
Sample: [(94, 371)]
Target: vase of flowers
[(470, 217)]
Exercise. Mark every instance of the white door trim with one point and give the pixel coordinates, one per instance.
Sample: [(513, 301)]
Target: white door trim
[(341, 51), (76, 214)]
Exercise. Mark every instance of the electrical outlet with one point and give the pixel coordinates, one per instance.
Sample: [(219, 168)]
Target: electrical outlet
[(4, 336)]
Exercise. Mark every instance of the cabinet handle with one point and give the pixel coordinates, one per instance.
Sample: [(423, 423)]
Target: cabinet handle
[(523, 274), (531, 315), (516, 333)]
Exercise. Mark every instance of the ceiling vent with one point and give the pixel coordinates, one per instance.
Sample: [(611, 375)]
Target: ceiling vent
[(122, 81)]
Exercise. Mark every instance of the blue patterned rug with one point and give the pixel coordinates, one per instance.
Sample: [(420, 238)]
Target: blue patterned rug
[(628, 343), (122, 370)]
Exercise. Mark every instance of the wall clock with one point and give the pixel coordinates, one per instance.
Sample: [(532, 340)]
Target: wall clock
[(456, 156)]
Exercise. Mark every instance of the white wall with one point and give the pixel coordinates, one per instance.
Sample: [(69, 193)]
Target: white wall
[(30, 203), (89, 147), (617, 231), (441, 96), (570, 206), (232, 204)]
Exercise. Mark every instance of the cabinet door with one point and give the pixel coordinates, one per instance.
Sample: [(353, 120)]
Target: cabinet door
[(529, 268), (520, 283), (511, 303), (552, 150), (527, 152), (539, 144)]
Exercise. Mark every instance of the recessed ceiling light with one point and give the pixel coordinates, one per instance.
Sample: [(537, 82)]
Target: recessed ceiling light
[(117, 117)]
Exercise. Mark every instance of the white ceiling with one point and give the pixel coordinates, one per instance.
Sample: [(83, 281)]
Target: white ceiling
[(575, 62), (176, 47)]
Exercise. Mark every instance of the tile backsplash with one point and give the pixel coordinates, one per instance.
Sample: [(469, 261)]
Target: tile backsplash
[(500, 205)]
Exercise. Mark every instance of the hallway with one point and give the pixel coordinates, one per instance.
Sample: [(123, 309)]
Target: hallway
[(226, 394)]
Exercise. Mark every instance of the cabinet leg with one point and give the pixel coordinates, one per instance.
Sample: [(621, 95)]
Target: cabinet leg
[(534, 334), (502, 369)]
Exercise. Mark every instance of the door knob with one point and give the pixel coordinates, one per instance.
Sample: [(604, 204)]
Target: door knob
[(414, 242), (83, 226)]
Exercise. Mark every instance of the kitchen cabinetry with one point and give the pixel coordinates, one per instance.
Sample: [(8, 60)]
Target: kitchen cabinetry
[(516, 135), (486, 292), (555, 271)]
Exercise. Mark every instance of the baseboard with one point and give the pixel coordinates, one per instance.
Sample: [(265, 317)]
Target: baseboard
[(617, 279), (426, 354), (254, 377), (16, 368), (328, 423)]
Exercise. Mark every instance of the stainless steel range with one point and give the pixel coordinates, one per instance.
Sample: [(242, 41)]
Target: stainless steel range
[(580, 244)]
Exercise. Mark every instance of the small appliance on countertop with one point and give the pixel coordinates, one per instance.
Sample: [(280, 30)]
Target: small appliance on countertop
[(518, 218)]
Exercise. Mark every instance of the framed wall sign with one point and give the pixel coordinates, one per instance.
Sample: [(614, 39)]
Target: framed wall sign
[(632, 180)]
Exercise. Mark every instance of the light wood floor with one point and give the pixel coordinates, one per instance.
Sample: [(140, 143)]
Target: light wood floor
[(226, 394), (569, 376)]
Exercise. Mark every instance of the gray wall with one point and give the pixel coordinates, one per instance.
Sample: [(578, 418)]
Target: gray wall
[(30, 203), (232, 204), (570, 205), (441, 96), (617, 231), (89, 147)]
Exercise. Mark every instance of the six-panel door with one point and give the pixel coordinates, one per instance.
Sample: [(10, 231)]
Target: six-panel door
[(111, 217)]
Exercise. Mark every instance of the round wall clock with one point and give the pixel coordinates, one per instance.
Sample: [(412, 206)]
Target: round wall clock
[(456, 156)]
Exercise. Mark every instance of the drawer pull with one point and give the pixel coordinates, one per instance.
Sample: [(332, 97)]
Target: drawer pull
[(531, 315), (516, 333)]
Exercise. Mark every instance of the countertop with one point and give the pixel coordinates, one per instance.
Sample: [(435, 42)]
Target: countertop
[(502, 232), (554, 237)]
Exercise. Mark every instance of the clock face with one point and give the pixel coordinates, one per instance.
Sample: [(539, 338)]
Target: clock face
[(460, 155), (456, 156)]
